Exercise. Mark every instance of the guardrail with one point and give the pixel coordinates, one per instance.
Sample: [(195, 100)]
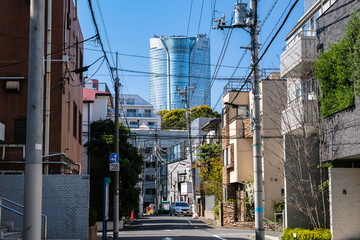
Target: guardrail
[(20, 213)]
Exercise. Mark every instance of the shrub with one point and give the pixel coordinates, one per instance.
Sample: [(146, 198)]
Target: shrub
[(216, 211), (306, 234), (279, 206)]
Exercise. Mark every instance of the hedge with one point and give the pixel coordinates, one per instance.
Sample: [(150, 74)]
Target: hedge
[(306, 234)]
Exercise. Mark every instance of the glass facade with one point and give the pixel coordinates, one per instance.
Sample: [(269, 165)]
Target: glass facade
[(176, 62)]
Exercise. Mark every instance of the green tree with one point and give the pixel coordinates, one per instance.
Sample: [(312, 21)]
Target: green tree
[(203, 111), (211, 169), (176, 118), (100, 146)]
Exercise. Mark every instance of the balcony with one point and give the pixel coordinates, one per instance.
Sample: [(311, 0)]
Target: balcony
[(240, 127), (300, 117), (298, 57)]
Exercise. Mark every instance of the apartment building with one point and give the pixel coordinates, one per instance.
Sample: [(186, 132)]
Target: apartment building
[(135, 111), (237, 142), (341, 136), (300, 122), (65, 119)]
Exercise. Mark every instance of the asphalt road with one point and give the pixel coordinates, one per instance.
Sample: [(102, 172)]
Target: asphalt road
[(180, 228)]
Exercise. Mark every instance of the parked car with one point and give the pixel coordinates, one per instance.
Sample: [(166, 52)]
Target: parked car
[(180, 208)]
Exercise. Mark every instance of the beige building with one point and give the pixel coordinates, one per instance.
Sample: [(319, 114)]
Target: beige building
[(237, 143)]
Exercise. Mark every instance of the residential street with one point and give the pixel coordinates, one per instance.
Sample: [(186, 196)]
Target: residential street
[(179, 228)]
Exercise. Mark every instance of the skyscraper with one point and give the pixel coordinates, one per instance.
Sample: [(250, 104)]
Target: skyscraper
[(176, 62)]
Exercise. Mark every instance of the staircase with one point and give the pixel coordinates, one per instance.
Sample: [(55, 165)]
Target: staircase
[(7, 230), (8, 234)]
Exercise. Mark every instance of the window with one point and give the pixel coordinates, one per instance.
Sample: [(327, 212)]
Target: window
[(150, 164), (131, 112), (75, 120), (226, 157), (150, 191), (149, 178), (298, 95), (147, 113), (121, 100), (20, 131), (133, 123), (80, 128), (150, 123), (131, 101)]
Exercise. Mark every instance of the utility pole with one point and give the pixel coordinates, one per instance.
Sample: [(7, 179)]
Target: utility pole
[(157, 176), (116, 173), (240, 22), (257, 144), (185, 95), (34, 125)]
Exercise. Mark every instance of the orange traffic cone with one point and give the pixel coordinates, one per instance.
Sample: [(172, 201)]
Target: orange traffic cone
[(132, 215)]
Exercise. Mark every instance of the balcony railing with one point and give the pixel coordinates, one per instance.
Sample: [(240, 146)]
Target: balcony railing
[(100, 86), (299, 53), (236, 86)]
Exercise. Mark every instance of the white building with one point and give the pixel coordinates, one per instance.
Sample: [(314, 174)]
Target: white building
[(135, 111), (96, 106)]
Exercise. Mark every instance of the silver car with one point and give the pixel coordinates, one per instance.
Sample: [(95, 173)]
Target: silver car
[(180, 208)]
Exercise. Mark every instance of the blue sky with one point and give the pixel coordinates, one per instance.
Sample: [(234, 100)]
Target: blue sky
[(126, 26)]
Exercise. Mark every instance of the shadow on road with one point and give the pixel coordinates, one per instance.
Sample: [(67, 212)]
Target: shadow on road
[(159, 223)]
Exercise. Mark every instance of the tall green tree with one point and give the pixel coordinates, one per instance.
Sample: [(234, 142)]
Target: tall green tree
[(100, 146), (211, 169)]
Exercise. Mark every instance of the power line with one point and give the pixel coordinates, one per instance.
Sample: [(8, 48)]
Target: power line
[(268, 46), (187, 31), (173, 75), (99, 39), (164, 59), (57, 51), (246, 49), (202, 6)]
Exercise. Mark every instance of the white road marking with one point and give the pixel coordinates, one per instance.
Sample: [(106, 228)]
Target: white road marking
[(167, 238), (219, 237), (167, 230)]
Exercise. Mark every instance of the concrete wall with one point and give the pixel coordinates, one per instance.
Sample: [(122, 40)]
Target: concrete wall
[(273, 174), (345, 203), (295, 170), (65, 203)]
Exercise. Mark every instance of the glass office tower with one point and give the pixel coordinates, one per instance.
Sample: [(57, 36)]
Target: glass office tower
[(176, 62)]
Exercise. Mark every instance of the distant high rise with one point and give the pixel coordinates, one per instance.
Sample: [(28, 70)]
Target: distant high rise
[(176, 62)]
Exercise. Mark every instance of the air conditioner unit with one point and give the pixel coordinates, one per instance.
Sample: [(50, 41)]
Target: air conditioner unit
[(2, 132)]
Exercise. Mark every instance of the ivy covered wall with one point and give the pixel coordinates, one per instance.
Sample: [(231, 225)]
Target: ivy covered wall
[(338, 70)]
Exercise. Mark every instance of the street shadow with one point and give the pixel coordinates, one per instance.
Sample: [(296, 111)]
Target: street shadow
[(178, 238)]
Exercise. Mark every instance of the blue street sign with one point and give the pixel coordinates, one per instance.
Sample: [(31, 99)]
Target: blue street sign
[(114, 157)]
